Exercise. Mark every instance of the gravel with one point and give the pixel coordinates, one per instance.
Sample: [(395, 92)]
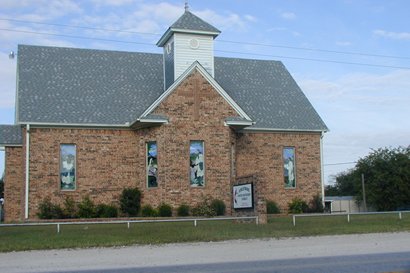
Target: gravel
[(202, 253)]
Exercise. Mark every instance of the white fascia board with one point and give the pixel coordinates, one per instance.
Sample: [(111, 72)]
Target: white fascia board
[(3, 145), (85, 125), (239, 123), (142, 120), (196, 65), (200, 32), (164, 38), (282, 130)]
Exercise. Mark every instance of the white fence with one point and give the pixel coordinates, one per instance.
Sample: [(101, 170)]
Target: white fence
[(129, 222), (399, 213)]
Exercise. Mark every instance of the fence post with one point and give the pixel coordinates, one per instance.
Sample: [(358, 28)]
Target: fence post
[(58, 228), (128, 225), (348, 218), (294, 220), (195, 223), (257, 220), (400, 215)]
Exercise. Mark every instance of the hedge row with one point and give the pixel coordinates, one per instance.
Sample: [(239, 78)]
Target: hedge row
[(130, 205)]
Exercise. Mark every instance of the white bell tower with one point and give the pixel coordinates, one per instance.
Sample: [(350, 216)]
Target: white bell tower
[(188, 40)]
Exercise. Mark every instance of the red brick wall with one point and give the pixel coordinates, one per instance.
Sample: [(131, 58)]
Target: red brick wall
[(173, 144), (14, 184), (109, 160), (106, 161), (260, 154)]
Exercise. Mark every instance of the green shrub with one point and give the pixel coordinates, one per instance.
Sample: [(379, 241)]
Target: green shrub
[(86, 209), (148, 211), (203, 209), (183, 210), (272, 207), (165, 210), (70, 208), (130, 201), (48, 210), (218, 206), (106, 211), (316, 205), (298, 206)]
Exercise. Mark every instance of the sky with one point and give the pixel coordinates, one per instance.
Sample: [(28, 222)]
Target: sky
[(351, 58)]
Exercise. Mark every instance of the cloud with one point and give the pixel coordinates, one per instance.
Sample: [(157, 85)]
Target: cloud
[(288, 15), (392, 35), (363, 111), (228, 20), (113, 2), (250, 18)]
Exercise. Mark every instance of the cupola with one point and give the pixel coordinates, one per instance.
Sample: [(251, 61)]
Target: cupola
[(187, 40)]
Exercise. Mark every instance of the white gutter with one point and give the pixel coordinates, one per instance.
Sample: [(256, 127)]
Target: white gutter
[(85, 125), (322, 175), (256, 129), (27, 168)]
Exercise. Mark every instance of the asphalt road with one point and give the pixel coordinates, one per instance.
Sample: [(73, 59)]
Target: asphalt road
[(390, 262), (384, 252)]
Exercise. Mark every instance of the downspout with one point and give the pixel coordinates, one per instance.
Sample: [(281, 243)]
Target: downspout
[(27, 169), (322, 175)]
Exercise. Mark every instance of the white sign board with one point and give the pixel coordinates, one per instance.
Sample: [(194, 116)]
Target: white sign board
[(243, 196)]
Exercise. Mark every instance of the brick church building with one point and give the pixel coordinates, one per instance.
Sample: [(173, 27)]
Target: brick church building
[(180, 126)]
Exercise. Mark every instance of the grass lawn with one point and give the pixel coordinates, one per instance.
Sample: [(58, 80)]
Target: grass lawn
[(80, 236)]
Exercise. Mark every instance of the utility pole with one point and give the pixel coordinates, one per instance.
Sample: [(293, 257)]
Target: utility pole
[(364, 194)]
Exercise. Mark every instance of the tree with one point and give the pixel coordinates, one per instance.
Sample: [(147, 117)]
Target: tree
[(387, 179), (344, 185)]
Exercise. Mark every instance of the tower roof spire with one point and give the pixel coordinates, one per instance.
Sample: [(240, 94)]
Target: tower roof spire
[(186, 6)]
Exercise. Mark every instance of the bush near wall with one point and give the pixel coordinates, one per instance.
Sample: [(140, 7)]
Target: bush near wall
[(48, 210), (209, 208), (130, 201), (86, 209), (272, 207), (297, 205), (165, 210), (218, 206), (148, 211), (300, 206), (183, 210)]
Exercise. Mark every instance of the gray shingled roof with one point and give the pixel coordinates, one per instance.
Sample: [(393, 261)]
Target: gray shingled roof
[(189, 21), (268, 93), (10, 135), (67, 85), (83, 86)]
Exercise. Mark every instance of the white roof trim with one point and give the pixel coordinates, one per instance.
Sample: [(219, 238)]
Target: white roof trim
[(146, 120), (3, 145), (90, 125), (255, 129), (170, 31), (196, 65), (239, 123)]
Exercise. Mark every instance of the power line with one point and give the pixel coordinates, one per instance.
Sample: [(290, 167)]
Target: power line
[(316, 60), (80, 27), (218, 41), (316, 49), (224, 51), (75, 37), (343, 163)]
